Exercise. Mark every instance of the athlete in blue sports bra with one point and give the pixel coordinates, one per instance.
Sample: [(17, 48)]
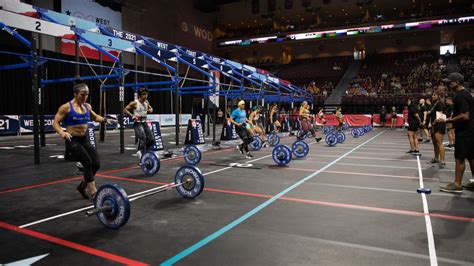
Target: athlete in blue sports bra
[(76, 114)]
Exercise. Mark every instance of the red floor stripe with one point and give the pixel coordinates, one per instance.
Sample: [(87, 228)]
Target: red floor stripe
[(325, 203), (39, 185), (69, 244)]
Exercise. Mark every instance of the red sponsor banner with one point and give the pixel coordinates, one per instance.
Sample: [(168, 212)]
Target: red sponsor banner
[(68, 47), (356, 120)]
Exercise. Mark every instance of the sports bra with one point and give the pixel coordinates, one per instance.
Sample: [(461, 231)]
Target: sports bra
[(73, 118)]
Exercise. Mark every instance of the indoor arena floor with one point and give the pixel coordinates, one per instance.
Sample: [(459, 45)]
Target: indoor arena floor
[(353, 204)]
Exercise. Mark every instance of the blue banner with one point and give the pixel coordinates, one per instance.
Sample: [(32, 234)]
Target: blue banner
[(26, 123), (228, 131), (9, 124), (194, 133)]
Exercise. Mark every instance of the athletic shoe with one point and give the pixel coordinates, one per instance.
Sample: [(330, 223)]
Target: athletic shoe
[(469, 185), (410, 151), (82, 189), (442, 165), (433, 161), (451, 188), (92, 196), (240, 148), (318, 139), (426, 141), (248, 156)]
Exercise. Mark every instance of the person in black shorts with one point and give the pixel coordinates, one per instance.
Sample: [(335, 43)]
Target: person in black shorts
[(414, 122), (423, 113), (463, 120), (383, 116), (437, 127), (393, 117)]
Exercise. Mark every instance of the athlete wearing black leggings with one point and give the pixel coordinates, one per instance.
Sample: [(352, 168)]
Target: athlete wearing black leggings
[(138, 110), (76, 114)]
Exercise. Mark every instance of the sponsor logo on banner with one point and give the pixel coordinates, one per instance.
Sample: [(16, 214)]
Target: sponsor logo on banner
[(26, 123), (197, 31), (168, 120), (200, 139), (91, 134), (155, 129), (184, 118)]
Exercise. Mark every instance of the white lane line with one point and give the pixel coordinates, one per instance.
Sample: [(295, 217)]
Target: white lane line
[(429, 229)]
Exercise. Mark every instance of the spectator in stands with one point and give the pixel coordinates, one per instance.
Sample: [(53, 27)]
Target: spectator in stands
[(383, 116), (437, 127), (449, 126), (325, 93), (463, 120)]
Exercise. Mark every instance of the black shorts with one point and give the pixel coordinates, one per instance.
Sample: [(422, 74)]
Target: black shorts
[(383, 118), (413, 127), (464, 148), (439, 128)]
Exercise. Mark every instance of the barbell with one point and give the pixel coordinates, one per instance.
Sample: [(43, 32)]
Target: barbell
[(112, 204), (150, 161)]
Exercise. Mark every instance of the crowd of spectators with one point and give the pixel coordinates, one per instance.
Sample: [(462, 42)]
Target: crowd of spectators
[(390, 79), (326, 21)]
